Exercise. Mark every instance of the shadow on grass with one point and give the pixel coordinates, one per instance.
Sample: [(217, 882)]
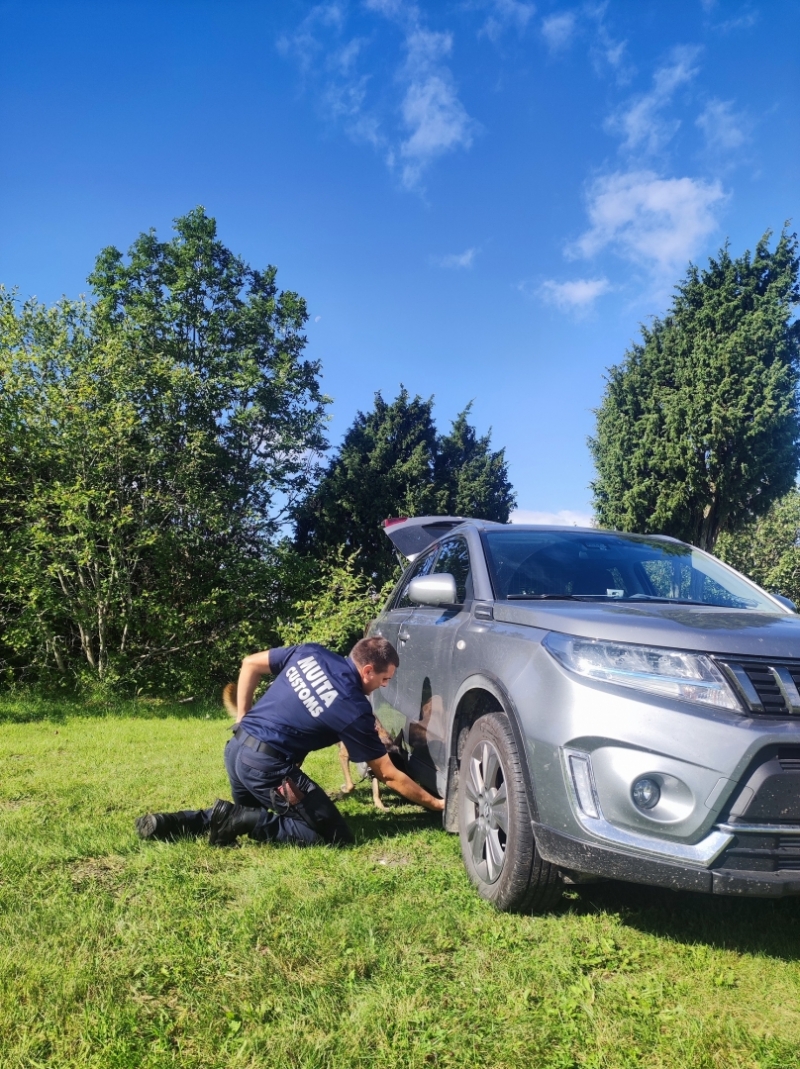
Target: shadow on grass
[(32, 708), (761, 926), (368, 826)]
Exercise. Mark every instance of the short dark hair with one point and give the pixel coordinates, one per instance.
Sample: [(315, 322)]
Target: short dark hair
[(379, 652)]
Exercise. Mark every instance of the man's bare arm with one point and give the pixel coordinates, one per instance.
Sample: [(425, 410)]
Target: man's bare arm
[(253, 670), (403, 784)]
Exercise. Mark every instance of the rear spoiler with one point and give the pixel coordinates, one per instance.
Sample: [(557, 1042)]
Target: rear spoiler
[(411, 537)]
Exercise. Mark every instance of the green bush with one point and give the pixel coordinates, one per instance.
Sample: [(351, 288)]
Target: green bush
[(336, 605)]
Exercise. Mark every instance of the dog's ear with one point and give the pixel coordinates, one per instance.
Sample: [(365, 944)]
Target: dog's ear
[(229, 699)]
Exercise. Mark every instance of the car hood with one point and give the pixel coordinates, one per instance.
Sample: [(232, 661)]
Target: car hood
[(685, 627)]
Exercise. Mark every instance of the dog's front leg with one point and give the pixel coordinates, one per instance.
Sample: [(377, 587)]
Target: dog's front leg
[(376, 795), (344, 761)]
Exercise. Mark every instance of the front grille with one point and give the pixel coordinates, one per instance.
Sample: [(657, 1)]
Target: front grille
[(788, 853), (762, 853), (789, 758), (768, 688), (771, 695)]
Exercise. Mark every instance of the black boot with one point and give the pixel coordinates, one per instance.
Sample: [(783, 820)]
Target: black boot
[(169, 826), (228, 821)]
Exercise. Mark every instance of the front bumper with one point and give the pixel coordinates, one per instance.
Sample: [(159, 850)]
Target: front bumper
[(577, 856), (752, 849)]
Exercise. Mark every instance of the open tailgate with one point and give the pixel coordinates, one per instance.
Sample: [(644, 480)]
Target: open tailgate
[(411, 537)]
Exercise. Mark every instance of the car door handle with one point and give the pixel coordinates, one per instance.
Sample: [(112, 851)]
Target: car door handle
[(403, 635)]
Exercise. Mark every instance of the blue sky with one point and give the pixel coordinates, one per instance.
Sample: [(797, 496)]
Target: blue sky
[(480, 199)]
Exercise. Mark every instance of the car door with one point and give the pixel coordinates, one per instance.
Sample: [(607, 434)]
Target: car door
[(391, 625), (428, 685)]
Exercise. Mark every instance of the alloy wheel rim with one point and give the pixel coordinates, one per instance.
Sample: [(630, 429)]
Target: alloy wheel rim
[(486, 803)]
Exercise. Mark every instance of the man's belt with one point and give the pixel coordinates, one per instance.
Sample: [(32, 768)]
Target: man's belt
[(260, 747)]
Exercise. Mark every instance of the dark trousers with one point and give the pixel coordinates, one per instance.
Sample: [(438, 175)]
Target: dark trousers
[(252, 775)]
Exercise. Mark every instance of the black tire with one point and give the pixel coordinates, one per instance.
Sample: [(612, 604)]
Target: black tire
[(502, 863)]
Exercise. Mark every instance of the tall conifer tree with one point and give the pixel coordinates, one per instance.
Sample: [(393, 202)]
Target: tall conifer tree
[(697, 432), (392, 462)]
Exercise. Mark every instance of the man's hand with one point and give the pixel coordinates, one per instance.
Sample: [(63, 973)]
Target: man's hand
[(403, 784), (253, 670)]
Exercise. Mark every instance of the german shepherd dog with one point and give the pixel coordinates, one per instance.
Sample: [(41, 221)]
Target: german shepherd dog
[(393, 747)]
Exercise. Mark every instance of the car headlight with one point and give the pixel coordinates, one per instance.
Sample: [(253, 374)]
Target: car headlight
[(689, 677)]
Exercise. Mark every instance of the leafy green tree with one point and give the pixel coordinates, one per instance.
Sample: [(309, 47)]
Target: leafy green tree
[(244, 400), (392, 462), (332, 601), (697, 432), (149, 444), (767, 548)]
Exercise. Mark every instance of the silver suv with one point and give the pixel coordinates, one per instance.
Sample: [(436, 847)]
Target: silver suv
[(596, 704)]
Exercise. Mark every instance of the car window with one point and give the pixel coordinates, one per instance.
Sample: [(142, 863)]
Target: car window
[(680, 580), (420, 567), (610, 565), (454, 559)]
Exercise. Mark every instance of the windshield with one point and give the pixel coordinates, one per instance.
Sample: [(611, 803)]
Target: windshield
[(541, 565)]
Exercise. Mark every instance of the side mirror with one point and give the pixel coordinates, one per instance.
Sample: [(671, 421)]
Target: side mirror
[(785, 601), (433, 589)]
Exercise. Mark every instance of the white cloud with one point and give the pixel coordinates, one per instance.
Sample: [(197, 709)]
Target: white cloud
[(658, 222), (326, 57), (390, 9), (605, 51), (432, 113), (562, 518), (429, 119), (738, 22), (614, 52), (558, 30), (725, 130), (742, 21), (507, 14), (457, 259), (304, 44), (641, 123), (576, 296)]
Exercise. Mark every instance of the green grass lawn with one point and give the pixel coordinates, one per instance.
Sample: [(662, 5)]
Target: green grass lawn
[(115, 952)]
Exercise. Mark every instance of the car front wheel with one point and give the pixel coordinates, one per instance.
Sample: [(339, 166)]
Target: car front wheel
[(497, 841)]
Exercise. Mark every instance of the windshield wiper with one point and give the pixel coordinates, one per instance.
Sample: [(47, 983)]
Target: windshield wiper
[(612, 598), (666, 601), (560, 597)]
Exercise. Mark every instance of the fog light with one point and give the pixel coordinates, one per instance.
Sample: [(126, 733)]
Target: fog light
[(645, 793)]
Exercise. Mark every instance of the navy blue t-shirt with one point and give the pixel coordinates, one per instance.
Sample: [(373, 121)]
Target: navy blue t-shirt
[(316, 700)]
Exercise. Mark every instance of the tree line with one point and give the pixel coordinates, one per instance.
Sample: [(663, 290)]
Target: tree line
[(168, 500), (165, 504)]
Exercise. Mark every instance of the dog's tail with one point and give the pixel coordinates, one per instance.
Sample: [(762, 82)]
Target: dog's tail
[(229, 699)]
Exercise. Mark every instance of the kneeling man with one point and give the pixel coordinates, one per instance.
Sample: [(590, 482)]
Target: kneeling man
[(317, 699)]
